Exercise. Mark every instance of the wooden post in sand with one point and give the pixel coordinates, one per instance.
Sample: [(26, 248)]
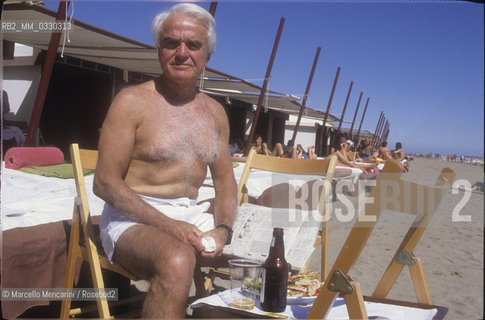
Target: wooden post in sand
[(379, 133), (307, 91), (263, 89), (384, 131), (345, 107), (377, 128), (355, 116), (320, 136), (361, 120), (387, 132)]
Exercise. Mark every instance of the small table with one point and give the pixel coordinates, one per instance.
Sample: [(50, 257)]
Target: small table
[(212, 307)]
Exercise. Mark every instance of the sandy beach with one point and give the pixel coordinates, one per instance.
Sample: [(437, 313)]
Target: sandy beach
[(451, 252)]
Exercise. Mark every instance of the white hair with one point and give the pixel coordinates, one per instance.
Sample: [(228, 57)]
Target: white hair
[(191, 10)]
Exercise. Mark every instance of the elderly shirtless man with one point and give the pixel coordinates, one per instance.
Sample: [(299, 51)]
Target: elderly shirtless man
[(156, 143)]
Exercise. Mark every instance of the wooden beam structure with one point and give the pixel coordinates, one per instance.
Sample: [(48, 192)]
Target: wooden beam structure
[(345, 107), (377, 129), (45, 77), (320, 136), (361, 121), (212, 9), (355, 115), (307, 92), (265, 85)]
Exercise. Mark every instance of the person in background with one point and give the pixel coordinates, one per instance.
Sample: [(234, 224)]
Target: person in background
[(300, 153), (399, 155), (259, 146), (338, 140), (233, 147), (365, 150), (384, 152), (288, 151), (341, 151)]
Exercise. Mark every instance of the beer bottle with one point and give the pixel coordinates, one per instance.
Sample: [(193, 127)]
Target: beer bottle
[(275, 276)]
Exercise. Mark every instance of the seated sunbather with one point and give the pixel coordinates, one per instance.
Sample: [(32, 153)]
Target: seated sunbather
[(343, 160), (399, 155), (260, 146), (366, 151), (311, 152), (385, 152), (300, 153), (339, 139)]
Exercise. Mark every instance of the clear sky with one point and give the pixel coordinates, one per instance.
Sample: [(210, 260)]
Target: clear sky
[(420, 62)]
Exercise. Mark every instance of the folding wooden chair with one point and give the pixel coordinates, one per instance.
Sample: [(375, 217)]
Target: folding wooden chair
[(390, 193), (324, 167), (82, 241)]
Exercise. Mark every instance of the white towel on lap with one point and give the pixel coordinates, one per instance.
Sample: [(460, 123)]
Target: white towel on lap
[(113, 223)]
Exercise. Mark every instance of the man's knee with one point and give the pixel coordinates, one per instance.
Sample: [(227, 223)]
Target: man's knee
[(179, 262)]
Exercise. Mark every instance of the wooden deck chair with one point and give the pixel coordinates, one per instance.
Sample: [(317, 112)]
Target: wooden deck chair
[(325, 167), (286, 166), (390, 193), (85, 248)]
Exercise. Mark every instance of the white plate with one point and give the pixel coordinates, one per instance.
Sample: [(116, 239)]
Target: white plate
[(300, 300)]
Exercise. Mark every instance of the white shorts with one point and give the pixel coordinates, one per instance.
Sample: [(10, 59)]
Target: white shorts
[(113, 223)]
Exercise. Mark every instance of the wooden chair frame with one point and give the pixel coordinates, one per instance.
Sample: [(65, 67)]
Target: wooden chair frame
[(86, 250), (324, 167), (278, 165), (413, 198)]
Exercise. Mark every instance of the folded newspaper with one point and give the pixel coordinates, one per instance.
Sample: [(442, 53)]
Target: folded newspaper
[(253, 231)]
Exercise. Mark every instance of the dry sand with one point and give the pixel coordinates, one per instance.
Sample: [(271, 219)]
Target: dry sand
[(451, 252)]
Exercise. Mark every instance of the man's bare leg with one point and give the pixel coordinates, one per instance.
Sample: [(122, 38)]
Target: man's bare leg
[(164, 260), (278, 150)]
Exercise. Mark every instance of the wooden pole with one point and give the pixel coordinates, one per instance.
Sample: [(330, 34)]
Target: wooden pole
[(379, 133), (320, 136), (212, 9), (355, 115), (384, 130), (307, 91), (387, 132), (361, 120), (265, 84), (45, 77), (345, 107), (377, 128)]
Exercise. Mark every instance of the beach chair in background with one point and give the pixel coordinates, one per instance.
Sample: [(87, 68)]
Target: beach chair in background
[(325, 167), (390, 193), (83, 243)]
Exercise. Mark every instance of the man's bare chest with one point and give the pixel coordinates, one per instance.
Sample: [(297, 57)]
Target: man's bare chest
[(183, 134)]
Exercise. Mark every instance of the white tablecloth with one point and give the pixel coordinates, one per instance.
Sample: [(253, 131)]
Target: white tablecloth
[(338, 311)]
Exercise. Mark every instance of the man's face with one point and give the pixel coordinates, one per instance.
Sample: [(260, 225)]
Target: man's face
[(183, 50)]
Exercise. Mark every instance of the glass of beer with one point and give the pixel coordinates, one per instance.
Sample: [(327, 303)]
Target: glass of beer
[(245, 283)]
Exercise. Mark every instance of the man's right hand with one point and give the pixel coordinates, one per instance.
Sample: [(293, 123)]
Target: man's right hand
[(188, 233)]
